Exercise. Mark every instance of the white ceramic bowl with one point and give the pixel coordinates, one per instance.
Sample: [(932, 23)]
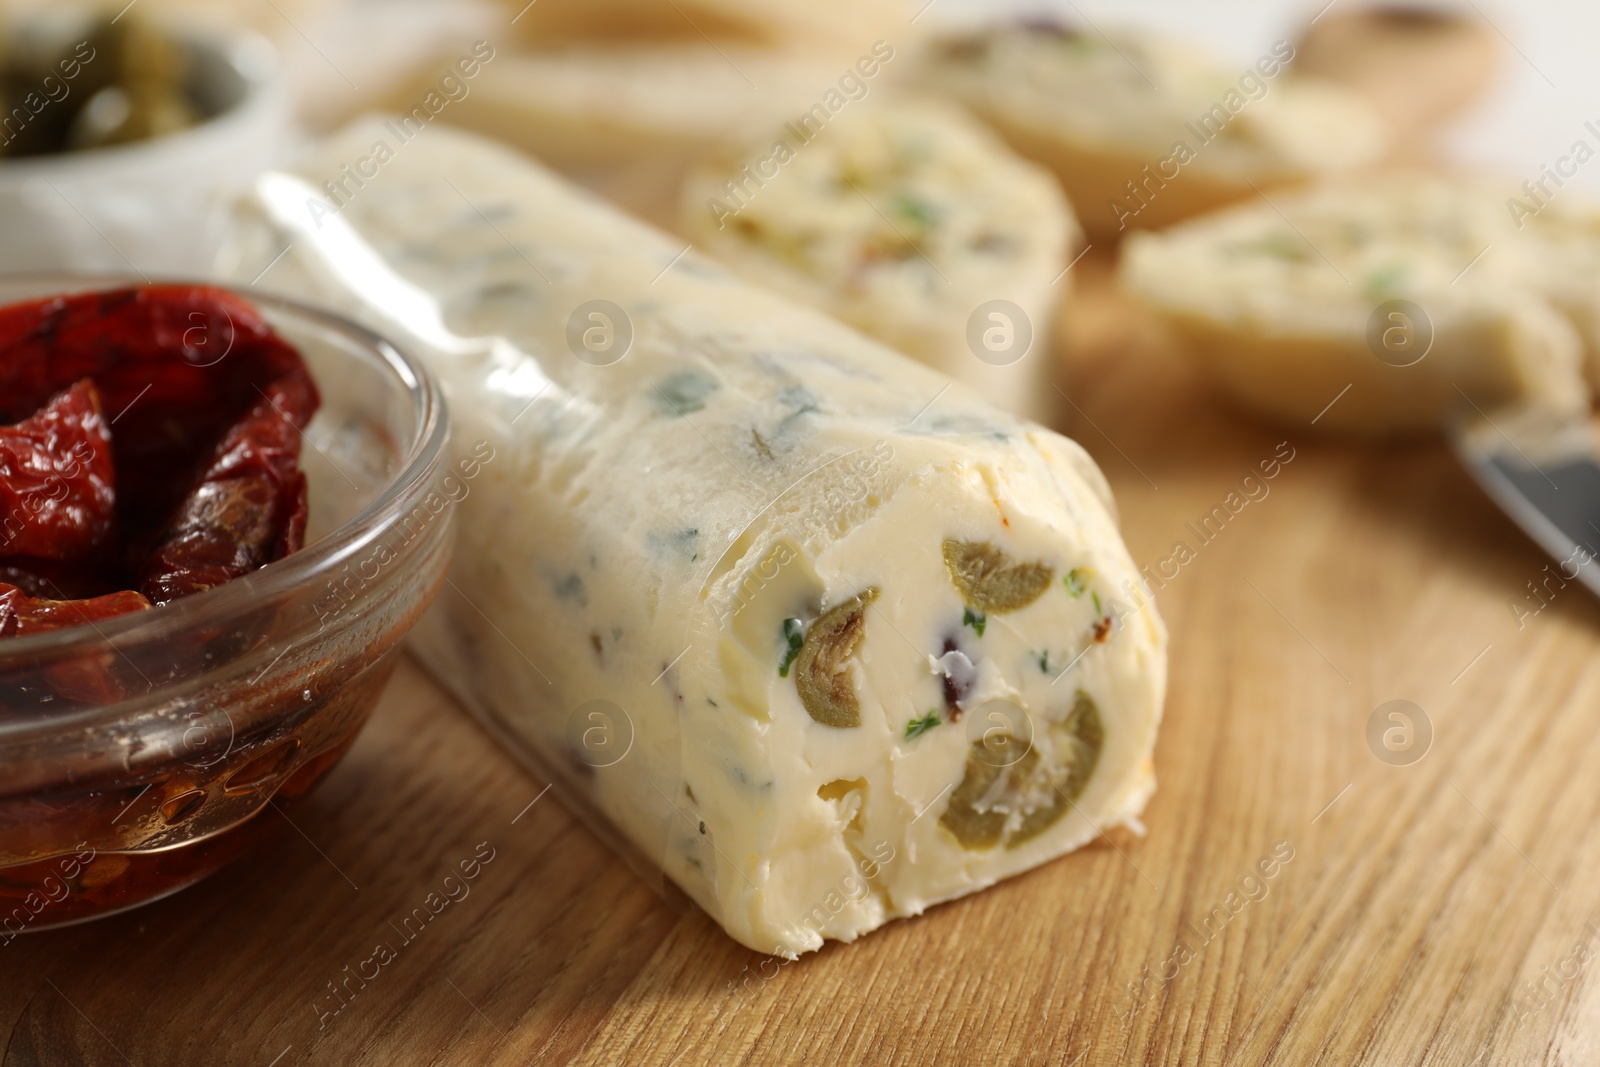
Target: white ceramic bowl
[(157, 206)]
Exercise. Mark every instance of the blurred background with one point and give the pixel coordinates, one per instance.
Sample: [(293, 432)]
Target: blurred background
[(1539, 99), (338, 59)]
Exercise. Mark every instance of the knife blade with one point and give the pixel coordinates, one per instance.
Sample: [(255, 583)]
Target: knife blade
[(1545, 477)]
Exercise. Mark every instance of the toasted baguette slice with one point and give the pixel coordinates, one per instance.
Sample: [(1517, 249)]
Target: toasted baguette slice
[(628, 120), (1143, 131), (834, 26), (904, 218), (1566, 236), (593, 106), (1288, 303)]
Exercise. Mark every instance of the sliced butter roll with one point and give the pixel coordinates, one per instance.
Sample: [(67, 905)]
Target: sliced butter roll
[(1418, 295), (824, 638), (1142, 130), (909, 221)]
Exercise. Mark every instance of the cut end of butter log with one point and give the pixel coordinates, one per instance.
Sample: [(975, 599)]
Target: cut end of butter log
[(822, 637)]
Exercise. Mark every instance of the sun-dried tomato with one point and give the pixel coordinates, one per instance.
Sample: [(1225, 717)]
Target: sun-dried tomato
[(56, 494), (175, 366), (193, 480), (90, 677), (249, 505), (21, 615)]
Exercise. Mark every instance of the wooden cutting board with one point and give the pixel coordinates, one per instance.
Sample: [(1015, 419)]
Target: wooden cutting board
[(1413, 903), (1409, 900)]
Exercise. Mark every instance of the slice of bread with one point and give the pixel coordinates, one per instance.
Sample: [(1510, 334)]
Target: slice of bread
[(1406, 298), (906, 219), (1144, 131), (589, 106), (833, 26), (1566, 233)]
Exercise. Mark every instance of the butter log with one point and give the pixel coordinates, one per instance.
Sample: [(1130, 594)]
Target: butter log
[(822, 637)]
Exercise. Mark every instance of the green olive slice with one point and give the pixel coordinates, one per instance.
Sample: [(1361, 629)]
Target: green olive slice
[(1087, 735), (1079, 739), (971, 816), (822, 670), (975, 829), (988, 580)]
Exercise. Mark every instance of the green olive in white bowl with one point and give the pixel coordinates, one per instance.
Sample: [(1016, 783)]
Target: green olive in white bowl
[(122, 142)]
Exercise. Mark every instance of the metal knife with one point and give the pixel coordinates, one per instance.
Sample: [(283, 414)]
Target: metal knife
[(1547, 478)]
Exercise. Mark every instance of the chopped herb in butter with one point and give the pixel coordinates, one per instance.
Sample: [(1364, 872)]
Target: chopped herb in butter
[(917, 210), (680, 542), (975, 619), (684, 391), (1385, 281), (1276, 245), (922, 725), (794, 634), (1077, 581)]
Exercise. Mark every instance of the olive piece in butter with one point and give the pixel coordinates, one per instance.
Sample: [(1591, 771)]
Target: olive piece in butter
[(1078, 741), (822, 670), (969, 816), (1043, 792), (988, 580)]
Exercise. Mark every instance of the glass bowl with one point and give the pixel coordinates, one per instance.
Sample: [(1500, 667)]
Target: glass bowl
[(210, 709)]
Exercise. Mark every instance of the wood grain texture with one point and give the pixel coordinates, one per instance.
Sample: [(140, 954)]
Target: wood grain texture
[(1417, 901)]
